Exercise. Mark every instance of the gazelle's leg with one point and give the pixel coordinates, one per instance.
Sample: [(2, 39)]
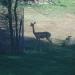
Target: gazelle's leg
[(40, 48), (50, 43), (49, 40), (39, 44), (36, 44)]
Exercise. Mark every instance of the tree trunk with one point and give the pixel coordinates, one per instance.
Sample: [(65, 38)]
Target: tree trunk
[(10, 23), (16, 25)]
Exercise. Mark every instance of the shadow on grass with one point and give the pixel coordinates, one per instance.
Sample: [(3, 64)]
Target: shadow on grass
[(4, 40), (38, 58), (33, 44)]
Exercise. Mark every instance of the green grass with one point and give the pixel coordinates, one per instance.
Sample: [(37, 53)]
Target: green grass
[(64, 6), (49, 10), (55, 62)]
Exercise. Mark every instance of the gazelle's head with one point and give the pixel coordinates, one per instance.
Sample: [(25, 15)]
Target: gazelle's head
[(69, 36), (32, 23)]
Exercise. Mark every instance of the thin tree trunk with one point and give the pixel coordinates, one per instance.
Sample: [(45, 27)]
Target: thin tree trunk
[(16, 24), (10, 23)]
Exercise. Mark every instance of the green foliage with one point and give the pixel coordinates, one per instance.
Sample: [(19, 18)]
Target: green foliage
[(4, 2)]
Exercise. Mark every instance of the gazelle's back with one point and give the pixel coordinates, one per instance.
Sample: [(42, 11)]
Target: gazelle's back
[(42, 34)]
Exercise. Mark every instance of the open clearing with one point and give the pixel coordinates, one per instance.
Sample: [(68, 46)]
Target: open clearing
[(60, 26)]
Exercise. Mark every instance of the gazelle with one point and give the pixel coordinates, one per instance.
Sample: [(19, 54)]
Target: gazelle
[(40, 35)]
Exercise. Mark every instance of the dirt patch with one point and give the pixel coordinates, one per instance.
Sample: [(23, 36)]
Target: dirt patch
[(59, 27)]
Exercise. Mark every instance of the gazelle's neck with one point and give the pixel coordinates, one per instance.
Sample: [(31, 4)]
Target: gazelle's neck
[(33, 29)]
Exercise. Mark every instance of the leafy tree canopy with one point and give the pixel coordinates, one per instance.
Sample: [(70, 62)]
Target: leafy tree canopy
[(4, 2)]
